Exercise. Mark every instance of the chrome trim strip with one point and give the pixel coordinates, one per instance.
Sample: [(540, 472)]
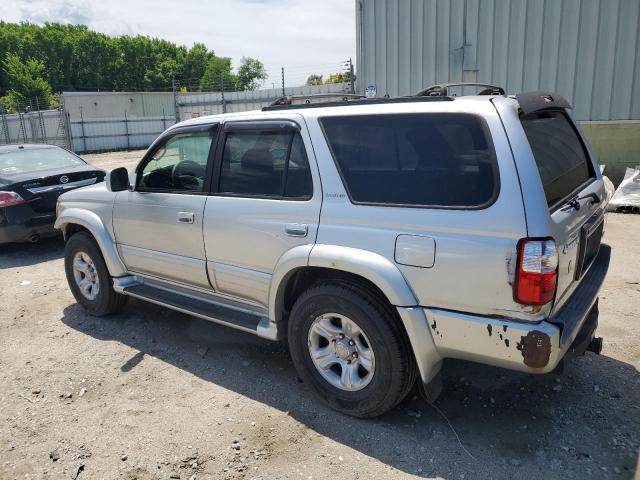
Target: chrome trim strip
[(64, 186)]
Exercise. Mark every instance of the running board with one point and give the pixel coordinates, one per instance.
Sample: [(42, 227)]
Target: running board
[(208, 310)]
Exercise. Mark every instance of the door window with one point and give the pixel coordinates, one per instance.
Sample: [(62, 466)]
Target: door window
[(179, 165), (265, 164)]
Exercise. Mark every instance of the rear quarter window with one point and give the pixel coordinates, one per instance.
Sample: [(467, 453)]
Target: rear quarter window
[(439, 160), (559, 153)]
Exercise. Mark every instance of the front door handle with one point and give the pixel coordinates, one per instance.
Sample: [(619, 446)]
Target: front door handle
[(185, 217), (296, 229)]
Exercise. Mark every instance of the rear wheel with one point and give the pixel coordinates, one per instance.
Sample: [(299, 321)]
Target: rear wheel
[(88, 277), (349, 347)]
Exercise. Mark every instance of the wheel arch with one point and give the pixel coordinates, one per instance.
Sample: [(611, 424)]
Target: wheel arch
[(73, 220), (301, 266)]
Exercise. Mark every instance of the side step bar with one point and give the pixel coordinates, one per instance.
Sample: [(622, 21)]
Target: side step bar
[(208, 310)]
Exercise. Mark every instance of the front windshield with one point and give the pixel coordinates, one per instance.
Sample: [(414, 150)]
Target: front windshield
[(33, 160)]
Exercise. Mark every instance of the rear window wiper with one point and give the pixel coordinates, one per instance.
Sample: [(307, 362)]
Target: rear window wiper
[(574, 202)]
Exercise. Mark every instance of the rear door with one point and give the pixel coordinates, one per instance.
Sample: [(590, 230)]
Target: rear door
[(573, 190), (265, 200)]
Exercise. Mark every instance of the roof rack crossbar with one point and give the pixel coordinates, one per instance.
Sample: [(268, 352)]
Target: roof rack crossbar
[(289, 99), (442, 90)]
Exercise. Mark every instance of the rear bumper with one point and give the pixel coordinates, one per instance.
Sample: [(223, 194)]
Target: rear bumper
[(20, 223), (527, 347)]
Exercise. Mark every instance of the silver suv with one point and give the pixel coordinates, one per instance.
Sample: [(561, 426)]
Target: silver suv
[(377, 237)]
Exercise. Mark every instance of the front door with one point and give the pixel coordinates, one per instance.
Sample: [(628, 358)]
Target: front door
[(158, 225), (266, 200)]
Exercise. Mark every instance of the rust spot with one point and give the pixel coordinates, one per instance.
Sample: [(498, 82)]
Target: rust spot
[(504, 328), (489, 328), (506, 342), (500, 336), (535, 348), (433, 325)]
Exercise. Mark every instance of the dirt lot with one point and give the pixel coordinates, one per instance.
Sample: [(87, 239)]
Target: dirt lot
[(152, 393)]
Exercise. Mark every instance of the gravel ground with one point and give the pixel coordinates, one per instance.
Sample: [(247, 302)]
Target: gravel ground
[(155, 394)]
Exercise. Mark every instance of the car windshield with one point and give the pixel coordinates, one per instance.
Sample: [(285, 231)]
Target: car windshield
[(36, 159)]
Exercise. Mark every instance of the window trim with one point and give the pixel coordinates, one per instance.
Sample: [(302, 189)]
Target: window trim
[(593, 170), (487, 132), (250, 126), (214, 133)]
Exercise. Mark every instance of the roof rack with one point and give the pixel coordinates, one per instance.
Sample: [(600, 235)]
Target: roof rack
[(356, 102), (307, 99), (442, 90)]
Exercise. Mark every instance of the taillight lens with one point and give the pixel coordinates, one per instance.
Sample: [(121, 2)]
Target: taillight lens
[(8, 199), (537, 272)]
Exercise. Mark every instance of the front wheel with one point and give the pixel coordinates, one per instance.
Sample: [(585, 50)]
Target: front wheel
[(350, 348), (88, 277)]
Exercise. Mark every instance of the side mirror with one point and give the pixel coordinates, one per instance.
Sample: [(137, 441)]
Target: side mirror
[(117, 180)]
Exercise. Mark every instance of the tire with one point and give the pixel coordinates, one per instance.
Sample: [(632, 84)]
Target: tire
[(98, 301), (394, 369)]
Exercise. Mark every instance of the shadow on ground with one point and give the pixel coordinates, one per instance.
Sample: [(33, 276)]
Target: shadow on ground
[(586, 420), (24, 254)]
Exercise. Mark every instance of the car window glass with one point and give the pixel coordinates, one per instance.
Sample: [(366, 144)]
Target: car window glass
[(265, 163), (14, 161), (560, 156), (178, 165), (439, 160)]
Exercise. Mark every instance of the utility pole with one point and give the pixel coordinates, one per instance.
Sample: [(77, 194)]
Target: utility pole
[(352, 77), (283, 94), (224, 105), (176, 110)]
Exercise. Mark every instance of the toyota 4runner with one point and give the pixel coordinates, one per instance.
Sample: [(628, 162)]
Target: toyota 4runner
[(377, 237)]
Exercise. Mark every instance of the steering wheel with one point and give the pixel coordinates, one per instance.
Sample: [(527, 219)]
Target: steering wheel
[(187, 174)]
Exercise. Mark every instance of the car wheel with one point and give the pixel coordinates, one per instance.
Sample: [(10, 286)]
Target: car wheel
[(88, 277), (350, 348)]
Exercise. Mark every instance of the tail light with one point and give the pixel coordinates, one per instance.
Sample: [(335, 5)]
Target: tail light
[(537, 272), (8, 199)]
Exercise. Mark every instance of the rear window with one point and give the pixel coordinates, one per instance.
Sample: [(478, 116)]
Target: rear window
[(441, 160), (559, 153), (36, 159)]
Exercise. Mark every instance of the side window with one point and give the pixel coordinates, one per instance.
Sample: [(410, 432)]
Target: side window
[(179, 165), (266, 164)]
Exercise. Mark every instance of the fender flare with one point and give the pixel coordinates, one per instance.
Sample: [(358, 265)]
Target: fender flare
[(369, 265), (93, 223)]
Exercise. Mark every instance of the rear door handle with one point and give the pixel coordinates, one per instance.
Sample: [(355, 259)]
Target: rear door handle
[(185, 217), (296, 229)]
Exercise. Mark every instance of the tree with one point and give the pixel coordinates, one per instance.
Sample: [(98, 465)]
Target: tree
[(26, 84), (314, 80), (195, 63), (217, 75), (251, 74), (339, 78)]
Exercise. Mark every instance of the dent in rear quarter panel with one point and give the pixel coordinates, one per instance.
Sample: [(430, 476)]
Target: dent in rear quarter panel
[(475, 249)]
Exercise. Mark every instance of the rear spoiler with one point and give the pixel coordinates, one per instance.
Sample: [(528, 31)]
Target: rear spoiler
[(535, 101)]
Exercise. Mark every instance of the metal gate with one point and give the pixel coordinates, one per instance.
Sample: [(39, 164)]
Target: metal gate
[(40, 126)]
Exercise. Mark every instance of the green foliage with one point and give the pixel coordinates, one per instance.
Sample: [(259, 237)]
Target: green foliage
[(72, 57), (26, 84), (217, 75), (314, 80), (251, 74)]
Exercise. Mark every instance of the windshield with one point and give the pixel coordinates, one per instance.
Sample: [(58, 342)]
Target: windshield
[(36, 159)]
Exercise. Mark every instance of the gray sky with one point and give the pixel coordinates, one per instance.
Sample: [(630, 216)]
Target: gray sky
[(304, 36)]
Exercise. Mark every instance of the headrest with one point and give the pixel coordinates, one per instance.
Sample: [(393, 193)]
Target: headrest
[(257, 159)]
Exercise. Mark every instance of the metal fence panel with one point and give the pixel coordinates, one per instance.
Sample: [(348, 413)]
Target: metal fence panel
[(43, 126)]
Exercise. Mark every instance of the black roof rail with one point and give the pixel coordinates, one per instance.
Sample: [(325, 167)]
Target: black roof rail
[(442, 90), (356, 102), (307, 99)]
